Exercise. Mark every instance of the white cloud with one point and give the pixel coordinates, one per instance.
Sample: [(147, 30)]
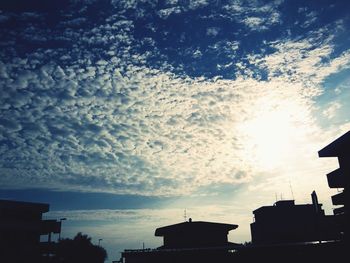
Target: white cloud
[(254, 22), (311, 18), (197, 54), (213, 31), (330, 112), (109, 122), (306, 59), (256, 15), (194, 4), (165, 13), (150, 132)]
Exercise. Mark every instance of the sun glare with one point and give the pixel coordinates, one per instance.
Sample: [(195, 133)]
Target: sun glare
[(270, 138)]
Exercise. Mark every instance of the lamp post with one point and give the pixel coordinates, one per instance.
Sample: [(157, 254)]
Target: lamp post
[(59, 234), (99, 241)]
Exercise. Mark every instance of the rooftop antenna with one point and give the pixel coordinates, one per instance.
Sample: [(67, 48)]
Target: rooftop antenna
[(185, 215), (276, 197), (315, 201), (291, 189)]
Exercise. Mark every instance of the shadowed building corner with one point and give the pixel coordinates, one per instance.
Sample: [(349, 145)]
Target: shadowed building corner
[(340, 179), (22, 230), (287, 222)]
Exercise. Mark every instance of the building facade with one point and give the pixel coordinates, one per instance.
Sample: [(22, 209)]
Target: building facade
[(195, 235), (21, 229), (285, 222), (339, 179), (187, 242)]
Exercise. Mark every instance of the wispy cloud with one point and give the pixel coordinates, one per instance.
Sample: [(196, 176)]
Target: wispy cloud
[(331, 110)]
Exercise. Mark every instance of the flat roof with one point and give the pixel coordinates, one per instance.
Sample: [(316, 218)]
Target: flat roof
[(282, 205), (340, 146), (194, 226), (20, 205)]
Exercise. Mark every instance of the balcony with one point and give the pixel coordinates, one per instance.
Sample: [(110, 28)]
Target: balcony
[(336, 179), (338, 199)]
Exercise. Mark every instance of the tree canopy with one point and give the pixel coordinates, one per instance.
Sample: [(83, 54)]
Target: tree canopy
[(79, 249)]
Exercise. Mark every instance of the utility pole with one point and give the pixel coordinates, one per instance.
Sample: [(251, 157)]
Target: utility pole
[(59, 234)]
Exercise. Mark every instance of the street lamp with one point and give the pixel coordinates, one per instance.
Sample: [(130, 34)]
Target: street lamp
[(99, 241), (59, 234)]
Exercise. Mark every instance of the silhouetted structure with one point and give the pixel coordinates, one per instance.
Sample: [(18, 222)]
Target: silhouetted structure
[(21, 226), (286, 222), (339, 178), (195, 235), (187, 242)]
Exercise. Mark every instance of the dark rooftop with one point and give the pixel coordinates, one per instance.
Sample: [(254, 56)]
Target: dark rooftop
[(340, 146), (40, 207), (194, 226)]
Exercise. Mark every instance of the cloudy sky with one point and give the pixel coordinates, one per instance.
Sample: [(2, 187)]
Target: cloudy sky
[(123, 113)]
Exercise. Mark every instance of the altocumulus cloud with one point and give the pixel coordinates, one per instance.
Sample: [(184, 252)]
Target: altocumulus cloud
[(136, 132), (94, 103)]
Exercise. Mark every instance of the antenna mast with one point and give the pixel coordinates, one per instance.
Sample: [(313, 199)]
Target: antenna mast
[(291, 189), (185, 215)]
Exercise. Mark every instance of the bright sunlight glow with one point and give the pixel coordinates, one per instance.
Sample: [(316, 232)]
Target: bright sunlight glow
[(271, 135)]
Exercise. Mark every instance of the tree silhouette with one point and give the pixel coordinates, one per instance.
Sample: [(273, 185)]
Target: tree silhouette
[(79, 249)]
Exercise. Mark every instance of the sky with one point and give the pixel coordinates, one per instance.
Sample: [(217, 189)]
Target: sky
[(124, 114)]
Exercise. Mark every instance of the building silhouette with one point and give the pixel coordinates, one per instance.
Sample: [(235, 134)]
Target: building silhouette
[(21, 230), (285, 222), (216, 248), (195, 235), (339, 178), (192, 241)]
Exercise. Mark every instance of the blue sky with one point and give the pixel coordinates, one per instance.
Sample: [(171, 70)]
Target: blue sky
[(123, 113)]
